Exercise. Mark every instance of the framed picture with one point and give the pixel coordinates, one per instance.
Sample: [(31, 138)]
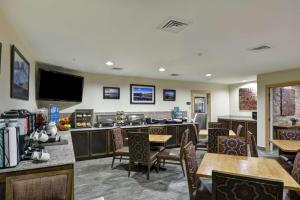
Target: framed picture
[(111, 93), (247, 99), (169, 95), (19, 76), (288, 103), (0, 55), (142, 94)]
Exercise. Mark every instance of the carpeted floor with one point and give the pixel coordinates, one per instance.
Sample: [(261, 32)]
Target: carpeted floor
[(95, 178)]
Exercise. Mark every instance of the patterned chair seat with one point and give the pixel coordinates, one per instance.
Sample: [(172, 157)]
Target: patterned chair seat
[(296, 175), (119, 150), (213, 134), (286, 134), (232, 145)]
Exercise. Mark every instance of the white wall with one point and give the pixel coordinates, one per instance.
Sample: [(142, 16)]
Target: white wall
[(7, 38), (93, 97), (262, 81), (234, 98)]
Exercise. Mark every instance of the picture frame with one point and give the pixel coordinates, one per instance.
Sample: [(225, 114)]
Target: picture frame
[(111, 93), (169, 95), (19, 76), (142, 94), (247, 99)]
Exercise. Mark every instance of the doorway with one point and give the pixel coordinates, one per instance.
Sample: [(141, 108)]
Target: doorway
[(201, 105)]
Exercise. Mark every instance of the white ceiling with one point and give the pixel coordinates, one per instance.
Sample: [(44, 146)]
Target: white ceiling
[(84, 34)]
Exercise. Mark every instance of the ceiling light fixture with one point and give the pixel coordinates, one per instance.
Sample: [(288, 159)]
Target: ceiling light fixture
[(161, 69), (109, 63), (244, 81), (208, 75)]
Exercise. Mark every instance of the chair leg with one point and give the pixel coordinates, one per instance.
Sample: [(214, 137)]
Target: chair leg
[(158, 165), (148, 171), (120, 158), (112, 164), (164, 163), (181, 163), (129, 168)]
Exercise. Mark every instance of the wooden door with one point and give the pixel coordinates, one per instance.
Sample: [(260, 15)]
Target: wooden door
[(81, 144), (99, 143)]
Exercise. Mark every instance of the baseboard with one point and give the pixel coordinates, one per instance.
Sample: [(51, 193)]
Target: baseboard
[(261, 148)]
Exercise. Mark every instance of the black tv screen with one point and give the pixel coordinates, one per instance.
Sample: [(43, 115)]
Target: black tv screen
[(57, 86)]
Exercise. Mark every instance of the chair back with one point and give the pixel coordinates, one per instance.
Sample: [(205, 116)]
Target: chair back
[(215, 125), (191, 167), (232, 145), (213, 134), (239, 129), (252, 144), (288, 134), (117, 139), (229, 186), (296, 172), (139, 147), (184, 142), (157, 130), (195, 135)]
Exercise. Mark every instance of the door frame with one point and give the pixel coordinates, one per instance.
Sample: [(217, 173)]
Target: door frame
[(267, 107), (207, 92)]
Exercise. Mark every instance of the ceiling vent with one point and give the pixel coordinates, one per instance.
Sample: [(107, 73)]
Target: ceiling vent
[(174, 74), (259, 48), (173, 25), (117, 68)]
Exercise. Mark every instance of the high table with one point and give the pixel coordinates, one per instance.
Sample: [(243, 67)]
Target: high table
[(292, 146), (246, 166), (204, 132)]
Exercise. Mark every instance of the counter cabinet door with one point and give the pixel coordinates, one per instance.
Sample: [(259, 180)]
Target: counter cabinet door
[(225, 123), (172, 130), (81, 144), (181, 129), (99, 141)]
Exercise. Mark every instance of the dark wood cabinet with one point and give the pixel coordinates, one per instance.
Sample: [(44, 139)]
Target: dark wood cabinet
[(81, 144), (172, 130), (225, 123), (181, 130), (236, 123), (99, 143), (252, 127)]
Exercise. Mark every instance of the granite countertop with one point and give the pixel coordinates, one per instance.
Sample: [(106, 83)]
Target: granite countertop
[(59, 155), (232, 117), (138, 126)]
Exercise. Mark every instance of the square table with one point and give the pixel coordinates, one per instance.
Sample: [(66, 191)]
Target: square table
[(204, 132), (153, 138), (292, 146), (246, 166)]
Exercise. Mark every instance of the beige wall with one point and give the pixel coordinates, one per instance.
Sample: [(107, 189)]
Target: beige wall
[(262, 81), (234, 98), (8, 37), (93, 97)]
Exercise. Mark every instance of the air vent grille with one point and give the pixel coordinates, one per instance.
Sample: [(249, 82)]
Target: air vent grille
[(173, 25), (259, 48), (174, 74)]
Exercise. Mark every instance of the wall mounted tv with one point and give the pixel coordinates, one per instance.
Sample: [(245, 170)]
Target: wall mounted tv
[(57, 86)]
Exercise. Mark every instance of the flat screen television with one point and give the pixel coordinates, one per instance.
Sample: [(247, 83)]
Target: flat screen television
[(58, 86)]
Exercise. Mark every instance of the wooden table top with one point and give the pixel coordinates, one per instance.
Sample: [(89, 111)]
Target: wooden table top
[(287, 145), (159, 138), (204, 132), (247, 166)]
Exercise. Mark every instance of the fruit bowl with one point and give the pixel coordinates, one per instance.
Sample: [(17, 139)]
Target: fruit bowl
[(64, 124)]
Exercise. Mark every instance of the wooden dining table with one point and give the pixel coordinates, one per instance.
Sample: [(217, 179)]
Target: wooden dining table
[(204, 132), (247, 166), (153, 138), (292, 146)]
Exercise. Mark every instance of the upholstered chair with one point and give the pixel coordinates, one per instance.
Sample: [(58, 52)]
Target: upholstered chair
[(175, 158), (239, 130), (197, 190), (198, 142), (157, 130), (296, 175), (287, 134), (252, 144), (139, 151), (213, 134), (232, 145), (119, 150), (229, 186), (215, 125)]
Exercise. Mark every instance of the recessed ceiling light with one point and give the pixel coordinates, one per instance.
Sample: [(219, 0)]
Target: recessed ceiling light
[(161, 69), (174, 74), (117, 68), (109, 63), (208, 75)]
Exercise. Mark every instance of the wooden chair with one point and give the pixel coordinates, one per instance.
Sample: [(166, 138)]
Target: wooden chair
[(229, 186), (157, 130), (296, 175), (197, 190), (232, 145), (239, 130), (199, 143), (286, 134), (252, 144), (119, 150), (213, 134), (139, 151), (215, 125), (166, 155)]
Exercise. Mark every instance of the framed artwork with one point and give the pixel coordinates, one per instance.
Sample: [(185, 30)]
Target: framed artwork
[(111, 93), (247, 99), (169, 95), (0, 55), (142, 94), (19, 76), (288, 104)]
